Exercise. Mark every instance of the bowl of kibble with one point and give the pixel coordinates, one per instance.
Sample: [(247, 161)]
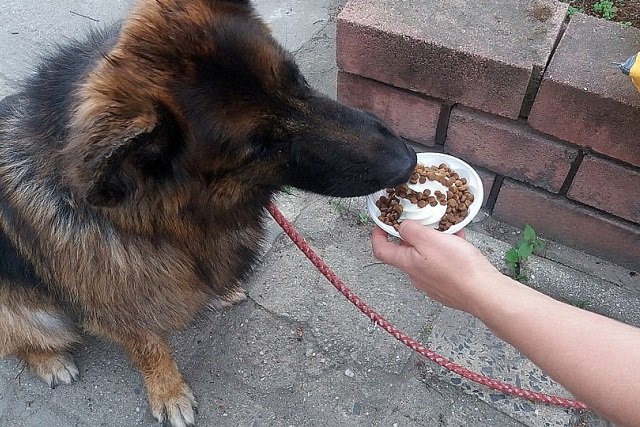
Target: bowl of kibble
[(443, 193)]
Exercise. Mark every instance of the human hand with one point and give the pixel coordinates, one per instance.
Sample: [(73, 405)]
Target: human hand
[(444, 266)]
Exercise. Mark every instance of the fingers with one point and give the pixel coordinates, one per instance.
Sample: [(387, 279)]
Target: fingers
[(382, 247), (386, 251), (417, 235)]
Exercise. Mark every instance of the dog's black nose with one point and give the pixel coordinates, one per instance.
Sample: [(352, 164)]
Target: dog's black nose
[(398, 167)]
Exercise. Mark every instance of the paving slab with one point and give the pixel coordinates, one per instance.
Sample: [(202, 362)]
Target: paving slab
[(460, 337), (30, 29), (487, 59)]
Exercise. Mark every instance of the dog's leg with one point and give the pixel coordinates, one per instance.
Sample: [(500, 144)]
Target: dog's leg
[(53, 367), (35, 330), (170, 397)]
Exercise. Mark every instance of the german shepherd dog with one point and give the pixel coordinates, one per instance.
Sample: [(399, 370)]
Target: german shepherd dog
[(135, 169)]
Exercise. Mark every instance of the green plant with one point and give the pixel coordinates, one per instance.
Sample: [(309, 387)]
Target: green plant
[(583, 304), (605, 9), (341, 207), (519, 253), (363, 217), (287, 189), (573, 10), (627, 24)]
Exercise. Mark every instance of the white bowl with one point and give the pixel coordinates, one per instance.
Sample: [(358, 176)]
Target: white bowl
[(433, 159)]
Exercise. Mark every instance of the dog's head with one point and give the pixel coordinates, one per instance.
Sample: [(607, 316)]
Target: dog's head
[(200, 90)]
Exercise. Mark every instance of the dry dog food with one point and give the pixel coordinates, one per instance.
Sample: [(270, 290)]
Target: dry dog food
[(457, 198)]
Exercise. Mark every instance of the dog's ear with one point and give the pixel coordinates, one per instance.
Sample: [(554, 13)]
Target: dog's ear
[(117, 144)]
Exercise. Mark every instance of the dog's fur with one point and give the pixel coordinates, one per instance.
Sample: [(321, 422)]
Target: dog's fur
[(135, 168)]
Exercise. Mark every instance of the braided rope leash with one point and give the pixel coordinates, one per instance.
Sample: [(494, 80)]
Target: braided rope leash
[(301, 243)]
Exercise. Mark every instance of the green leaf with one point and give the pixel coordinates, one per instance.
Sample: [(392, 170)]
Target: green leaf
[(525, 249), (512, 256), (288, 190), (529, 233), (363, 217)]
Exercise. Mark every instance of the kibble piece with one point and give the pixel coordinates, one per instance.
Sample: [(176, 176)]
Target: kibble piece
[(457, 198)]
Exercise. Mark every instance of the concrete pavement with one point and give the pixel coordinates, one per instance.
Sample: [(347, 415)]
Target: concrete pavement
[(297, 353)]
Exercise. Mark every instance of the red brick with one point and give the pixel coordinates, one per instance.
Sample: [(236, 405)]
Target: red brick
[(608, 186), (509, 148), (487, 178), (412, 45), (569, 223), (586, 101), (413, 116)]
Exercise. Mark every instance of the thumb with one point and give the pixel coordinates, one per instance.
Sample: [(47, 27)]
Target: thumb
[(417, 235), (386, 251)]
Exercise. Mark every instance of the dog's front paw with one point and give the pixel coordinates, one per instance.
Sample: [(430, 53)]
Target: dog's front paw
[(52, 368), (176, 408)]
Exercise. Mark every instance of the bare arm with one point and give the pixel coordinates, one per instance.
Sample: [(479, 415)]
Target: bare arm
[(595, 358)]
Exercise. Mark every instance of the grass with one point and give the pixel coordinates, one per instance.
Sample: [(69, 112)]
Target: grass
[(582, 304), (363, 217), (627, 12), (288, 190), (518, 254), (343, 207)]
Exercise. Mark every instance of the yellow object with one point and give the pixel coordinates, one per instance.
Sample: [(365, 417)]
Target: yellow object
[(632, 68)]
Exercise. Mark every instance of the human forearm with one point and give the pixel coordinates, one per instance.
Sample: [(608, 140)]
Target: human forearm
[(595, 358)]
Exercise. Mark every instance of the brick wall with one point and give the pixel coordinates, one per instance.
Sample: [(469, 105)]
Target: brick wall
[(558, 147)]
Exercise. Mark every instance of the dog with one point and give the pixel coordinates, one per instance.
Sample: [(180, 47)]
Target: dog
[(136, 166)]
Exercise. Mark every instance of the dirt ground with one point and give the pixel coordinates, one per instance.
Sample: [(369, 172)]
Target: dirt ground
[(625, 10)]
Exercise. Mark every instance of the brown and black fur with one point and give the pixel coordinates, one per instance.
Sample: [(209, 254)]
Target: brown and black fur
[(135, 168)]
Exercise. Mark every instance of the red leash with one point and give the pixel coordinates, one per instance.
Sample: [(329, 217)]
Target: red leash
[(405, 339)]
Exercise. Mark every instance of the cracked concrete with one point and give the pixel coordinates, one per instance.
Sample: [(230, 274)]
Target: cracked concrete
[(296, 352)]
